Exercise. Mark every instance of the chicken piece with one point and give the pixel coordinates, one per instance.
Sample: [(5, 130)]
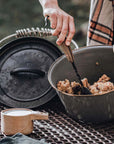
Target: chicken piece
[(85, 82), (69, 90), (93, 89), (73, 84), (104, 78), (107, 86), (76, 87), (63, 85), (101, 87)]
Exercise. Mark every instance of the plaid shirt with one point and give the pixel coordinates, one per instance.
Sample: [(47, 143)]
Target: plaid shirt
[(101, 23)]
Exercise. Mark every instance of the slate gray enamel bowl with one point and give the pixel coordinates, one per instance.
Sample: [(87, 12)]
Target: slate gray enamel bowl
[(92, 62)]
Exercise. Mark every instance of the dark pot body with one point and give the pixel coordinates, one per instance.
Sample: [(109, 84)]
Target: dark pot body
[(92, 63)]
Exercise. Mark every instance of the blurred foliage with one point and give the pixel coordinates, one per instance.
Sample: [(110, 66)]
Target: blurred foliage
[(15, 15)]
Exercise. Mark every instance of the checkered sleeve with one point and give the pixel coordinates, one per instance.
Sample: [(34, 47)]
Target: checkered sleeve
[(101, 23)]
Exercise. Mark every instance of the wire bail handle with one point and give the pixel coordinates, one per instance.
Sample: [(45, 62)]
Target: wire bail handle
[(29, 32)]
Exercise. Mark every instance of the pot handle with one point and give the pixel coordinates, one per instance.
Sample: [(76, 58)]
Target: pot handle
[(41, 32), (36, 115)]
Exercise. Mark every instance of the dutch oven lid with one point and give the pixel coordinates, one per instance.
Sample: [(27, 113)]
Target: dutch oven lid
[(24, 65)]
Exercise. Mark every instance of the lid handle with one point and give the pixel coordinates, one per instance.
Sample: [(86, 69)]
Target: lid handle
[(27, 72), (36, 115)]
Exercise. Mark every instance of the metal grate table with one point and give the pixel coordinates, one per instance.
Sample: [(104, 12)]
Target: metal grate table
[(61, 129)]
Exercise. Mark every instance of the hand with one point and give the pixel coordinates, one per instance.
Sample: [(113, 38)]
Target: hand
[(62, 23)]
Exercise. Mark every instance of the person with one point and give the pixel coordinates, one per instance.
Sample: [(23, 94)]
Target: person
[(101, 22)]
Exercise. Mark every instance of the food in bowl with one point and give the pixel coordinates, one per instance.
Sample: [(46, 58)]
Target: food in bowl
[(103, 85)]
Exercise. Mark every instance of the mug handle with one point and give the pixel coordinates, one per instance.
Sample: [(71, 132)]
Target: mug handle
[(36, 115)]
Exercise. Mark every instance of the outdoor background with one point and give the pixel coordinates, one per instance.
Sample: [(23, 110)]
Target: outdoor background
[(20, 14)]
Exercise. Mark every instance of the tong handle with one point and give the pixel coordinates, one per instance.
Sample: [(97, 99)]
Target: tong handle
[(68, 52)]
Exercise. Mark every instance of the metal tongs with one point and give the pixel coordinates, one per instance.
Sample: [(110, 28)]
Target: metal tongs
[(68, 52)]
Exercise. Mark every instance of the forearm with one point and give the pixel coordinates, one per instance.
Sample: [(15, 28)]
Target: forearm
[(49, 3)]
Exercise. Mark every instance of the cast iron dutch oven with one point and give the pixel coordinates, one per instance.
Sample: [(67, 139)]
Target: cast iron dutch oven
[(92, 62), (24, 64)]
